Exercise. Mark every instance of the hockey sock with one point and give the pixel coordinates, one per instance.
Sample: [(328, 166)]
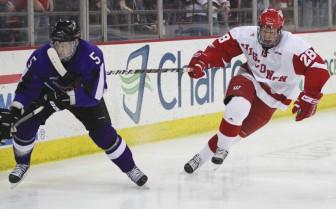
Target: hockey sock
[(121, 155), (212, 143), (23, 150), (206, 153), (227, 135), (235, 113), (114, 146), (24, 140)]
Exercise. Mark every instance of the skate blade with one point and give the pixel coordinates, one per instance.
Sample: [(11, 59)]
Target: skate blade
[(185, 174), (215, 167), (144, 187), (14, 185)]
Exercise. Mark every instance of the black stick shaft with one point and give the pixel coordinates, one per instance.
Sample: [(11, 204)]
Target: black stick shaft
[(136, 71)]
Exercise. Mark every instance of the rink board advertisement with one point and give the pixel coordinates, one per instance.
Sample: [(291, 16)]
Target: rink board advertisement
[(149, 106)]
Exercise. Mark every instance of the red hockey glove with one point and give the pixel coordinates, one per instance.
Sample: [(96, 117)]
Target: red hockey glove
[(197, 65), (305, 105)]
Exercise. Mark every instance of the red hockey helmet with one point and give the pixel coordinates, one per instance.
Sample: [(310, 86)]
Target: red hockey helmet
[(271, 22)]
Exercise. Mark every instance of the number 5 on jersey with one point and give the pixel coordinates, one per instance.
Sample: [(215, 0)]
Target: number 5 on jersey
[(95, 58)]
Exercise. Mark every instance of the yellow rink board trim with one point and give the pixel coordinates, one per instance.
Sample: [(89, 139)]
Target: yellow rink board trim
[(54, 150)]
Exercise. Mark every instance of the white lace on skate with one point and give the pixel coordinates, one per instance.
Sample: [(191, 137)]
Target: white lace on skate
[(195, 162), (135, 174), (18, 173)]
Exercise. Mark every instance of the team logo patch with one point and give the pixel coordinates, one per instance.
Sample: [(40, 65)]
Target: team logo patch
[(237, 87)]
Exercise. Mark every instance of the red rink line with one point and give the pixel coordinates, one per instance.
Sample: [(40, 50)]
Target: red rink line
[(7, 79)]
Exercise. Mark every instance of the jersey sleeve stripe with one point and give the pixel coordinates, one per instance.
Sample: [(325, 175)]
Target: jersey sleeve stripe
[(101, 82), (318, 65)]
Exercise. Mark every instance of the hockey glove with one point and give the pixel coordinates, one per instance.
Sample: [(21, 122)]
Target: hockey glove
[(305, 105), (8, 118), (58, 101), (68, 82), (197, 65)]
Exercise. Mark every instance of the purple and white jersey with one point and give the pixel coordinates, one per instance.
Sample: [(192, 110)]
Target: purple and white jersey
[(40, 75)]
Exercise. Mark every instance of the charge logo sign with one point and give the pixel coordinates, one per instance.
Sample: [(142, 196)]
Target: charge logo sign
[(135, 84), (331, 64), (201, 91), (5, 102)]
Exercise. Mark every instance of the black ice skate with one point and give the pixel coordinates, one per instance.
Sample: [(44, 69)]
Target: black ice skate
[(193, 164), (219, 156), (137, 176), (18, 173)]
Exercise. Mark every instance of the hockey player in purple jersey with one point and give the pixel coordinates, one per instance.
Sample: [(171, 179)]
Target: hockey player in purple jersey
[(80, 91)]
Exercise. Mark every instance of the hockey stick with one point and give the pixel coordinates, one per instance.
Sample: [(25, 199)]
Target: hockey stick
[(70, 79), (28, 116), (56, 61), (23, 119), (137, 71)]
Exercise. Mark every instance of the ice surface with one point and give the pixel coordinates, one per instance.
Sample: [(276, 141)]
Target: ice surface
[(285, 165)]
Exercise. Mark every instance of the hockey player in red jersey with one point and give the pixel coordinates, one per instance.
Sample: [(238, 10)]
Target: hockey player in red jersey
[(269, 80)]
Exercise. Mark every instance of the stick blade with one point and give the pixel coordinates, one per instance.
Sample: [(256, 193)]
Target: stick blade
[(56, 61)]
